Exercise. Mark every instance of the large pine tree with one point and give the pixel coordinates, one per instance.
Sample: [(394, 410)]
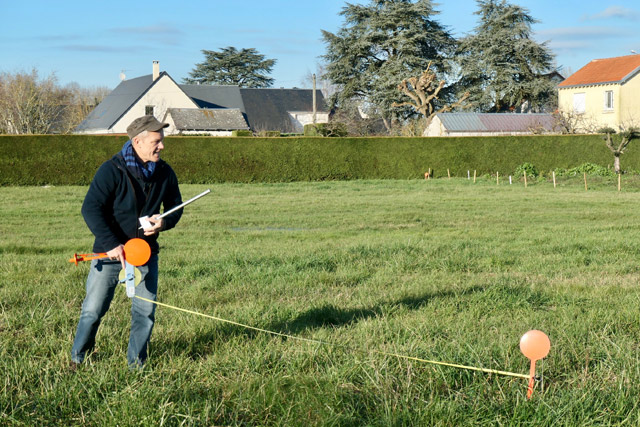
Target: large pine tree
[(230, 66), (501, 66), (379, 45)]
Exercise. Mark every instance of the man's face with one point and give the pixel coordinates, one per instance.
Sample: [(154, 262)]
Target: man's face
[(148, 147)]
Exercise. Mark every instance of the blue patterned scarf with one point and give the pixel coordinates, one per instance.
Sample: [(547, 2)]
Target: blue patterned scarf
[(138, 169)]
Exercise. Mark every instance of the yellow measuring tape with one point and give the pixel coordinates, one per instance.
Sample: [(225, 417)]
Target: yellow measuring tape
[(433, 362)]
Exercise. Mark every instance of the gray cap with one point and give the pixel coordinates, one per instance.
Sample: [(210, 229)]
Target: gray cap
[(143, 123)]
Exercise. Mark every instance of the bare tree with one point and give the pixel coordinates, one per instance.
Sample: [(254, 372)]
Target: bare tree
[(30, 105), (327, 88), (359, 118), (626, 136), (567, 122), (566, 72), (81, 101), (423, 91)]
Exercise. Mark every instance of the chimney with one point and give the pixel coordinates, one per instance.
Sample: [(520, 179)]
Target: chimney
[(156, 70)]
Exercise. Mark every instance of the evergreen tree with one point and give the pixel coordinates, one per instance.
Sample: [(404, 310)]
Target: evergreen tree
[(501, 67), (379, 45), (229, 66)]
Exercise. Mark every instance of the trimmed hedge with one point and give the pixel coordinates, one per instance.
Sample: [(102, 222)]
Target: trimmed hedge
[(73, 159), (241, 132)]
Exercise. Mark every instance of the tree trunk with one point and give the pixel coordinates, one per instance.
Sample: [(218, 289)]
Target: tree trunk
[(387, 125), (616, 162)]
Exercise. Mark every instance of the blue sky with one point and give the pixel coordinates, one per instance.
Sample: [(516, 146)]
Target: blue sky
[(92, 42)]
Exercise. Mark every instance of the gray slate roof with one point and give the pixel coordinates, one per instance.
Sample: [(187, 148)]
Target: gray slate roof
[(215, 96), (495, 122), (195, 119), (117, 103), (267, 109)]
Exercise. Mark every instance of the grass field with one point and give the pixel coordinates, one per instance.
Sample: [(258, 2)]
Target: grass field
[(443, 270)]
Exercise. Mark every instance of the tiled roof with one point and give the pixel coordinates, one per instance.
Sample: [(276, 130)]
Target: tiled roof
[(607, 70), (207, 119), (495, 122)]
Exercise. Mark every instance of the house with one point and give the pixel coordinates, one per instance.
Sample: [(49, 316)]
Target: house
[(284, 110), (605, 92), (489, 124), (151, 94)]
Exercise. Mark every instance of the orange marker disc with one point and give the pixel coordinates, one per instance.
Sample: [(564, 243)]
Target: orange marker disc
[(137, 252), (535, 344)]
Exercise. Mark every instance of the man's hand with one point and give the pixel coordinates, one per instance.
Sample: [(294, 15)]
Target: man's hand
[(157, 224), (117, 253)]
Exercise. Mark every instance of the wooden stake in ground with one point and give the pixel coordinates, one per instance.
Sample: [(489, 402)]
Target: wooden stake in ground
[(474, 176), (468, 174), (497, 178), (619, 181), (554, 178), (585, 182), (448, 174)]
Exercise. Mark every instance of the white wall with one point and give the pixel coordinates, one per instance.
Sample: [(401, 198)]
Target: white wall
[(210, 132), (164, 94), (435, 128), (301, 118)]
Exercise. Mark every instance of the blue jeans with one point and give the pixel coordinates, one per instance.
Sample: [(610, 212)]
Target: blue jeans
[(101, 285)]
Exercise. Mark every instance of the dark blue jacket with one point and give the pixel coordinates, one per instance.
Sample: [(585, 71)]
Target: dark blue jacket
[(116, 198)]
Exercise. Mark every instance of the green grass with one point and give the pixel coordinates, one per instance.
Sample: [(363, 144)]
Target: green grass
[(443, 270)]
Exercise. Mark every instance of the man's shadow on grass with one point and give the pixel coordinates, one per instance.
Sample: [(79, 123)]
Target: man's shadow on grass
[(331, 316), (327, 316)]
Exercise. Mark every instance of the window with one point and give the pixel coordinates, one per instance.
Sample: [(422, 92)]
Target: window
[(579, 103), (148, 110), (608, 100)]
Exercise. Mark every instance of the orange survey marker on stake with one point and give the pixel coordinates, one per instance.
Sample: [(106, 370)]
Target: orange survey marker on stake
[(136, 251), (534, 345), (86, 257)]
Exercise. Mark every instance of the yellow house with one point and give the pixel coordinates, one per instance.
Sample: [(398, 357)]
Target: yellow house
[(605, 92)]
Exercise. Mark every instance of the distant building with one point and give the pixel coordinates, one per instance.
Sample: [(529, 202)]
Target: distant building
[(605, 92), (284, 110), (214, 122), (489, 124)]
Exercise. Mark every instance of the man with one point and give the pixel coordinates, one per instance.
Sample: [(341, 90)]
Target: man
[(133, 183)]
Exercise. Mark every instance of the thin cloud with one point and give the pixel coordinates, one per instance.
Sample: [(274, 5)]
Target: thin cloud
[(164, 34), (58, 38), (96, 48), (151, 30), (569, 44), (616, 12)]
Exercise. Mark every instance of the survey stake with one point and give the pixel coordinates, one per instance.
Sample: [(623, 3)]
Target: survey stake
[(144, 220)]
